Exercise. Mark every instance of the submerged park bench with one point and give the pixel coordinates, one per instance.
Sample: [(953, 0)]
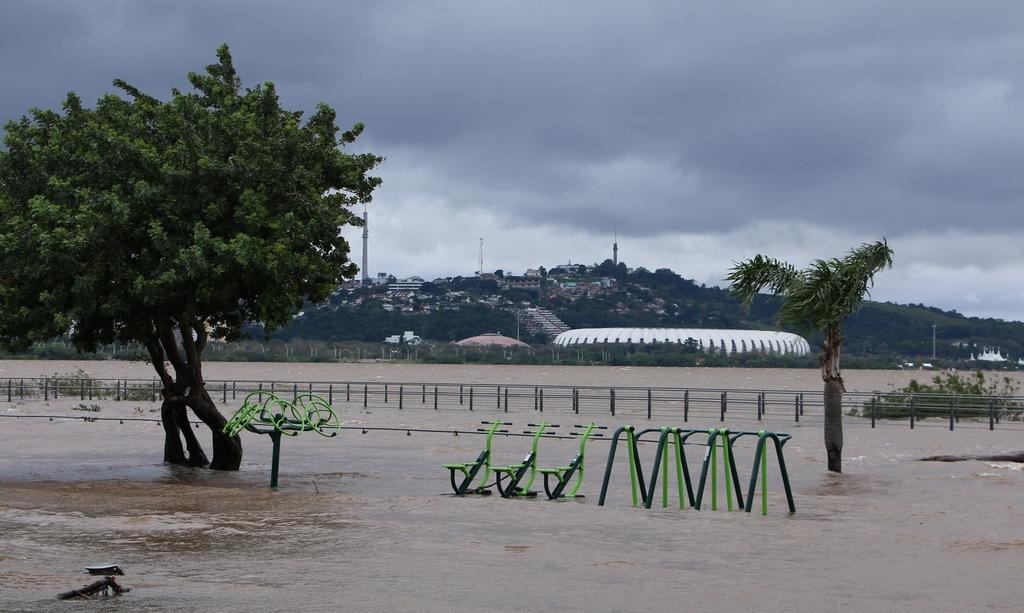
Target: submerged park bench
[(267, 413)]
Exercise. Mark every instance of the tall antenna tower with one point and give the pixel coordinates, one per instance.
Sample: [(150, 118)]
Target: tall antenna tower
[(366, 240), (615, 248), (481, 270)]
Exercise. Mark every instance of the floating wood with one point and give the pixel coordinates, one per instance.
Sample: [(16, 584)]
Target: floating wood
[(103, 586)]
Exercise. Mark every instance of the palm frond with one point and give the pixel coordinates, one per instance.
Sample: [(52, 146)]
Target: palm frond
[(749, 277), (819, 296)]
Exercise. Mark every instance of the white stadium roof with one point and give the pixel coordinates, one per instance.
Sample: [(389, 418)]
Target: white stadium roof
[(727, 341)]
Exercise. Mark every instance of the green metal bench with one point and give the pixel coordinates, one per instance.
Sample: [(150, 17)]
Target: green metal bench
[(469, 470), (564, 474)]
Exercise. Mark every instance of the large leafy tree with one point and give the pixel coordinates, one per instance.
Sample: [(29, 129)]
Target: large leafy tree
[(173, 222), (818, 299)]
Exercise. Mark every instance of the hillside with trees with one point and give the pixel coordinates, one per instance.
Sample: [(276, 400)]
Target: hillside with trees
[(612, 295)]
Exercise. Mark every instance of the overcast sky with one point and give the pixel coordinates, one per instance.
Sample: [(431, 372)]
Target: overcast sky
[(701, 132)]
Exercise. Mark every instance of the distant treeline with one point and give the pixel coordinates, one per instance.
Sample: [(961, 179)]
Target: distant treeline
[(302, 350)]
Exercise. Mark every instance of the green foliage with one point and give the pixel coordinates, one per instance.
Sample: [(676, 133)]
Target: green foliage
[(818, 297), (969, 395), (213, 208)]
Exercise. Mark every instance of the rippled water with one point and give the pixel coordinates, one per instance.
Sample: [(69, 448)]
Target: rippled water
[(364, 522)]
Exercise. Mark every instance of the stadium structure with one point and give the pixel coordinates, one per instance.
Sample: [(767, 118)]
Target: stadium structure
[(719, 341)]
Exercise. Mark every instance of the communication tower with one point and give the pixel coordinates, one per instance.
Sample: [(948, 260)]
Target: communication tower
[(615, 248), (480, 271)]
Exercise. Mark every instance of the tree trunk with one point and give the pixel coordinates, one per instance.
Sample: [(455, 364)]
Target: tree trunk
[(227, 450), (186, 389), (1002, 457), (834, 389), (834, 425), (174, 453), (196, 455)]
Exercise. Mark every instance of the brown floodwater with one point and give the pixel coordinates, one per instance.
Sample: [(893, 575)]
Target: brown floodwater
[(364, 522)]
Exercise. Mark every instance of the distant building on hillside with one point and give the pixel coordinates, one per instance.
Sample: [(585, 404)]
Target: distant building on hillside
[(526, 283), (407, 338), (406, 285)]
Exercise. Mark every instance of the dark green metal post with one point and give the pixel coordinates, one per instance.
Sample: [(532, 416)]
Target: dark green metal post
[(275, 461)]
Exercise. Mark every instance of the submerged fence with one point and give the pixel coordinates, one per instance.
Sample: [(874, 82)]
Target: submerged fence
[(678, 404)]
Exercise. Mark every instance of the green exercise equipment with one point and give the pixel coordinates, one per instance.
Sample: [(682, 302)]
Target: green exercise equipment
[(564, 474), (267, 413), (469, 470), (517, 472)]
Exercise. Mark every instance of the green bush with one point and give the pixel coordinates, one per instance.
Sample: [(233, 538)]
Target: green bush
[(967, 396)]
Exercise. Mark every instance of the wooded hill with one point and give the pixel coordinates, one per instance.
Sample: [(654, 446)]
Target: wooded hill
[(608, 295)]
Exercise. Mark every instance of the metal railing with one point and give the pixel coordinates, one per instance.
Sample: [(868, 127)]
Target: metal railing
[(674, 404)]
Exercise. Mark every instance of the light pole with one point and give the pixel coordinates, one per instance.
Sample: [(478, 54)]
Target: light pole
[(933, 341)]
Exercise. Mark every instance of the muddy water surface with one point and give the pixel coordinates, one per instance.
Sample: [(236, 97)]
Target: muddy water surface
[(362, 522)]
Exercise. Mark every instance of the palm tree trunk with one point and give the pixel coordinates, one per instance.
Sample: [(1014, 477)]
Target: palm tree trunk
[(833, 399), (834, 425)]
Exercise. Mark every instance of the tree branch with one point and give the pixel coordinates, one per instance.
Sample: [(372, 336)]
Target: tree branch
[(156, 354), (170, 345)]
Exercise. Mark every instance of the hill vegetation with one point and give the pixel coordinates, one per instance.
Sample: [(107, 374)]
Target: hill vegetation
[(610, 295)]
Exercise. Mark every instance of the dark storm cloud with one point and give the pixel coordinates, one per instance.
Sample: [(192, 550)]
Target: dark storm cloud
[(653, 117)]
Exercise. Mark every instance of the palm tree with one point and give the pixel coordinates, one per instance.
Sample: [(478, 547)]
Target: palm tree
[(818, 299)]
